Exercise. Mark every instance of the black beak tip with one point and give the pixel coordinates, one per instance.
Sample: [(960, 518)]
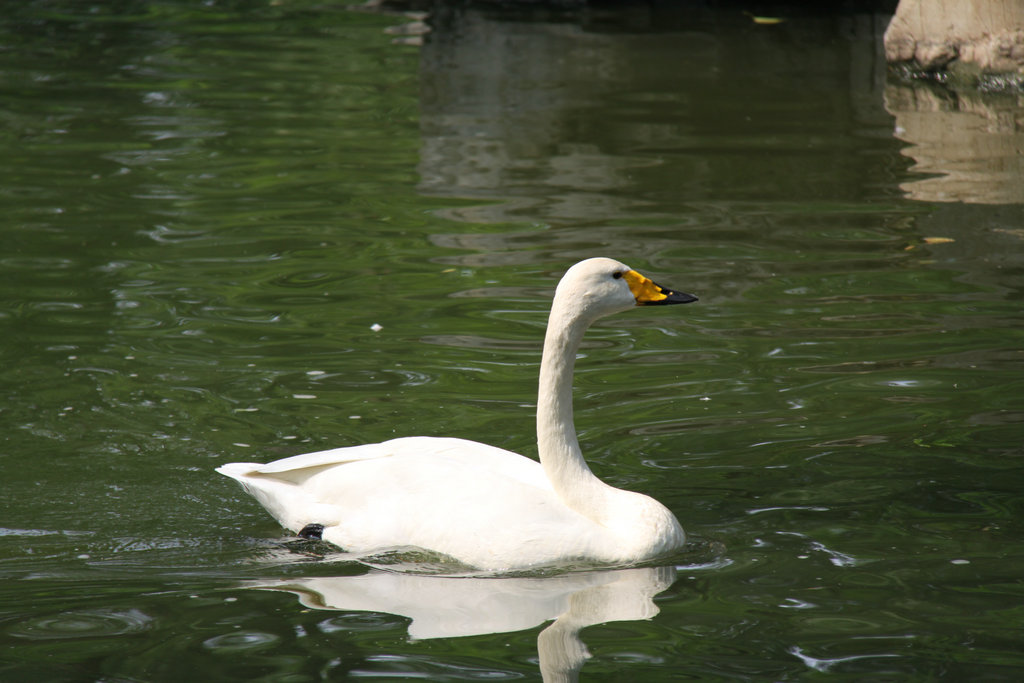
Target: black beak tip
[(679, 297), (674, 297)]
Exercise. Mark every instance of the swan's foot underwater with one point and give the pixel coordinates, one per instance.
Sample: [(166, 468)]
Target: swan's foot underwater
[(312, 532)]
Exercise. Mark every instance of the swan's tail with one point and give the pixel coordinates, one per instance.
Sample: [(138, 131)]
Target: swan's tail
[(282, 498)]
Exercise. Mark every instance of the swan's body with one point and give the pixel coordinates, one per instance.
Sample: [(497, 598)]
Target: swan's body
[(484, 506)]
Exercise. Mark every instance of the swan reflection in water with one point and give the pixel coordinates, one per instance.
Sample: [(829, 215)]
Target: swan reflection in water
[(449, 607)]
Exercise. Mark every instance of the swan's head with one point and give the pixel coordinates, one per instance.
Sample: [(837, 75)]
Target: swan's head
[(601, 286)]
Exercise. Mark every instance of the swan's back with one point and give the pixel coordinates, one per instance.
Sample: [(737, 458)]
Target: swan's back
[(482, 505), (299, 469)]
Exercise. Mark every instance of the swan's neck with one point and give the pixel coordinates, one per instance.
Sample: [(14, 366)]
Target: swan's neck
[(559, 449), (638, 526)]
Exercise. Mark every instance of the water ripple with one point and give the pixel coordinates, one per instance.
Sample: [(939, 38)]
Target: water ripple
[(83, 624), (240, 641)]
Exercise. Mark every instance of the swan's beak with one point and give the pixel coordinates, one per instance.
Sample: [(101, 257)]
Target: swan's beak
[(649, 293)]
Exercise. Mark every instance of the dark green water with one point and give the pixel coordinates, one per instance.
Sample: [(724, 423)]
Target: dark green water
[(207, 208)]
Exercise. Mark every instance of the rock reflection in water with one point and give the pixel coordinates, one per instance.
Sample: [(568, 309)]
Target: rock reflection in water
[(971, 142)]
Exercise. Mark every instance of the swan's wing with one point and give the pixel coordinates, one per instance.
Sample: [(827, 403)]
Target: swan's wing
[(279, 485), (489, 509), (482, 505), (381, 491), (333, 456), (298, 468)]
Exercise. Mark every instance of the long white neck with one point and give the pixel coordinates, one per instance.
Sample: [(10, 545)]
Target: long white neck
[(559, 449)]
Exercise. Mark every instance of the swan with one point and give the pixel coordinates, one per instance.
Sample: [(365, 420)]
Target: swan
[(485, 507)]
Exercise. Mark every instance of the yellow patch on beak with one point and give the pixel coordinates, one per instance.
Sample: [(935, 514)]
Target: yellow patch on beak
[(644, 290)]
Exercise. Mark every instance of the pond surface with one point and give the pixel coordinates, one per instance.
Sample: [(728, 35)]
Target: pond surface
[(238, 231)]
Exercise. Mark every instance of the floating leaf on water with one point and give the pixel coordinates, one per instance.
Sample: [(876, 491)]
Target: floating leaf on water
[(765, 21)]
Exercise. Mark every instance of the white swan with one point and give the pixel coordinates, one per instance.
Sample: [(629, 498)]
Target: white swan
[(484, 506)]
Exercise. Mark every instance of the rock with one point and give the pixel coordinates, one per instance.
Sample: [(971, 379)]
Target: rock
[(974, 39)]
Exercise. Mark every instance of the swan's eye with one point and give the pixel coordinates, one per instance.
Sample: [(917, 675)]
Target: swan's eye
[(617, 275)]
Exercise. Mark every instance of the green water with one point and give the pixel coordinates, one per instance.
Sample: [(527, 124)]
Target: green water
[(206, 209)]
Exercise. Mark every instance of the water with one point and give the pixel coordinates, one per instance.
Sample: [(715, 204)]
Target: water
[(208, 209)]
